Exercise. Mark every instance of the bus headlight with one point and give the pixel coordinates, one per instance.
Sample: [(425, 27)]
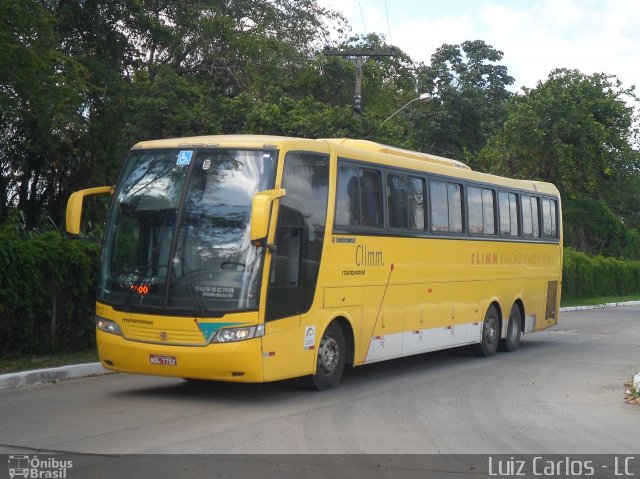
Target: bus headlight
[(108, 326), (230, 335)]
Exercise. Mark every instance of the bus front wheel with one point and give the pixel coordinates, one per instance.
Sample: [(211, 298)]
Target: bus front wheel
[(330, 359), (490, 334)]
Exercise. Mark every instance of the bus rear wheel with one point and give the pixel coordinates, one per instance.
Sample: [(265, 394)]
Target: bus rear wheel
[(330, 359), (490, 334), (514, 331)]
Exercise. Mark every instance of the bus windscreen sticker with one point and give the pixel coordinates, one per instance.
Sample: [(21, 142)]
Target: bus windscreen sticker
[(184, 158)]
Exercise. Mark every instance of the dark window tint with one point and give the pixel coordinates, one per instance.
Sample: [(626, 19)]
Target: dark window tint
[(405, 202), (299, 235), (480, 204), (359, 198), (446, 206)]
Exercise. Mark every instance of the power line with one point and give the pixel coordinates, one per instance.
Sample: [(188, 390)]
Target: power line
[(388, 26), (362, 16)]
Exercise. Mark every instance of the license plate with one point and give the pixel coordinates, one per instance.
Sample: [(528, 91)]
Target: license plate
[(163, 360)]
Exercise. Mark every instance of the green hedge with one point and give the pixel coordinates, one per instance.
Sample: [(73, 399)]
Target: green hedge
[(588, 277), (47, 292)]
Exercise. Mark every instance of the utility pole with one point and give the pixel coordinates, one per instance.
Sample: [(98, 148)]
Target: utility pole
[(359, 53)]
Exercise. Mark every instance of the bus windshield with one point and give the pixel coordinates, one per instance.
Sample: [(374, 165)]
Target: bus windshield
[(178, 233)]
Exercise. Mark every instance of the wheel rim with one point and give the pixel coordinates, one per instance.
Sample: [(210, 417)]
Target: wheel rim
[(491, 330), (328, 355)]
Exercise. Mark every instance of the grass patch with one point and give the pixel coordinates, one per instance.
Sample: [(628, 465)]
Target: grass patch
[(26, 363), (598, 300)]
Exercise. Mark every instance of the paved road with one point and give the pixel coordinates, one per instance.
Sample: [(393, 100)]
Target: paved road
[(561, 392)]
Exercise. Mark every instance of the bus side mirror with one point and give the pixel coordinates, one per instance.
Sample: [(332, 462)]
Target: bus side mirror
[(261, 214), (74, 207)]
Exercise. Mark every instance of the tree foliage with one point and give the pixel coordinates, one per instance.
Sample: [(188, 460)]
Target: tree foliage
[(469, 91), (81, 81), (577, 131), (574, 130)]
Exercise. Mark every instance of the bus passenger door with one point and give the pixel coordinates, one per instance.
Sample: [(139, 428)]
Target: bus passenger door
[(284, 298), (295, 265)]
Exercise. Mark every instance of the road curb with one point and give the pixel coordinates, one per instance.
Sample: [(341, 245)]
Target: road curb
[(76, 371), (599, 306), (50, 375)]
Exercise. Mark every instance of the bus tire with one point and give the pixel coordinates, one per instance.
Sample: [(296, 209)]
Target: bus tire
[(490, 334), (514, 331), (330, 361)]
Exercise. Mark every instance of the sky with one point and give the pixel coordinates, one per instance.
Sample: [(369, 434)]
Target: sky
[(536, 36)]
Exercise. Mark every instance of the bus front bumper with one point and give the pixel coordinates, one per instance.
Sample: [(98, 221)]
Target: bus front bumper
[(238, 361)]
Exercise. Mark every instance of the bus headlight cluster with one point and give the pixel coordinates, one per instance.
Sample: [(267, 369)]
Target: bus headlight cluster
[(108, 326), (230, 335)]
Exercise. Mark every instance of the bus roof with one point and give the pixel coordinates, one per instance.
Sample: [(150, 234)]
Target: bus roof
[(353, 149), (392, 150), (270, 140), (247, 141)]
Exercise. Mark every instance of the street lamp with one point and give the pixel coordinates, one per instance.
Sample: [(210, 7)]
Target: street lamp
[(422, 97)]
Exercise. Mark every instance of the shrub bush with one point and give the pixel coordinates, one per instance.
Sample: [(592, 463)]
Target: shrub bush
[(47, 292), (588, 277)]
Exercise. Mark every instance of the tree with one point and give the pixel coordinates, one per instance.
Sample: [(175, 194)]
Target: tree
[(576, 131), (80, 81), (469, 91), (42, 92)]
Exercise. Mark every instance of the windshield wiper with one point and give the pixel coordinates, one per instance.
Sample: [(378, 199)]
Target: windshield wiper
[(197, 301)]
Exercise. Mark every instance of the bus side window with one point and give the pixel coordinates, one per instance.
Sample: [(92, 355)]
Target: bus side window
[(535, 217), (489, 211), (554, 218), (530, 222), (439, 206), (286, 263), (405, 202), (454, 194), (549, 221), (359, 197), (513, 213), (508, 203), (474, 208), (446, 206), (348, 203), (505, 215), (481, 208), (371, 194)]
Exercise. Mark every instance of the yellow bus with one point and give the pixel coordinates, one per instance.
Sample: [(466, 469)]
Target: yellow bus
[(260, 258)]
